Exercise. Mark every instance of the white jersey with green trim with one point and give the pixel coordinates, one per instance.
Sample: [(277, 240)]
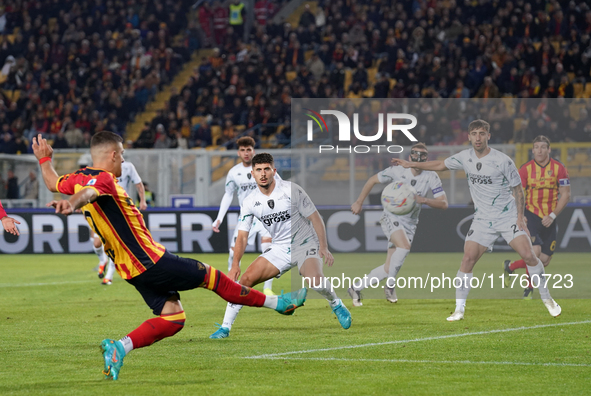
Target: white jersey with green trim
[(490, 179), (284, 213)]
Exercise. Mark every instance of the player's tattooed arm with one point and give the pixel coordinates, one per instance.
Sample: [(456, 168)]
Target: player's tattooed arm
[(519, 200), (520, 204)]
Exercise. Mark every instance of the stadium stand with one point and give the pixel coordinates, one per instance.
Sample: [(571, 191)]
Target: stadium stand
[(71, 68), (406, 49)]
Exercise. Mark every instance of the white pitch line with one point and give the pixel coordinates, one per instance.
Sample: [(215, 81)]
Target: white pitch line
[(272, 355), (432, 361), (42, 284)]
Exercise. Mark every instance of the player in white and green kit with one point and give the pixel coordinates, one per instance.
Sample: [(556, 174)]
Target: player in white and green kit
[(495, 187), (299, 240), (400, 230), (240, 180)]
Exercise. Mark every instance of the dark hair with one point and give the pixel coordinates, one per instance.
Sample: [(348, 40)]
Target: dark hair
[(105, 137), (543, 139), (419, 146), (477, 124), (245, 141), (262, 158)]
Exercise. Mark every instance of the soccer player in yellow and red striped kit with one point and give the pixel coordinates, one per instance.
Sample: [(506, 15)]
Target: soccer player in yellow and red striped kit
[(547, 191), (157, 274)]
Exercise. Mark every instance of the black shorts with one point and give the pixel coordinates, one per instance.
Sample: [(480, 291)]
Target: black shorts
[(540, 235), (170, 275)]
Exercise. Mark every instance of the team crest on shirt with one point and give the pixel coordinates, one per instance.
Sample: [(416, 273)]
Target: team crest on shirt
[(549, 172), (249, 175), (271, 203), (478, 166), (396, 224), (533, 239), (413, 182)]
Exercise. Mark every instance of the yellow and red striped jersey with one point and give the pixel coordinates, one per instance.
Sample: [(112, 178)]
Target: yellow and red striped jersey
[(541, 185), (117, 221)]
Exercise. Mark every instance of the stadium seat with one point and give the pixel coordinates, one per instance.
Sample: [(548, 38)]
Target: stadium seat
[(578, 90), (216, 133)]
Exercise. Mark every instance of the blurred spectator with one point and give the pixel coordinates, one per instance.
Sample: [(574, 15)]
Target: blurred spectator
[(31, 187), (12, 191)]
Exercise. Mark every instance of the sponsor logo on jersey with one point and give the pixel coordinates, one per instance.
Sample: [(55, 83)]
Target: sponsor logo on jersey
[(275, 217), (91, 182), (396, 224), (267, 250), (478, 166), (271, 203), (470, 232), (479, 179), (257, 203), (245, 187)]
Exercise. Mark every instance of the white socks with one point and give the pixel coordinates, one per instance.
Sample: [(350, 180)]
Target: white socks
[(325, 290), (231, 313), (462, 289), (539, 271), (100, 252), (110, 270), (127, 344), (376, 273), (396, 262)]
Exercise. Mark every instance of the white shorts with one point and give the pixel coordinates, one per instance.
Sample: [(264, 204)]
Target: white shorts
[(391, 224), (485, 233), (282, 258), (256, 228)]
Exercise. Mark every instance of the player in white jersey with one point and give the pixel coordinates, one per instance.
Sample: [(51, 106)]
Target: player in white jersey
[(495, 187), (239, 179), (399, 230), (106, 267), (299, 239)]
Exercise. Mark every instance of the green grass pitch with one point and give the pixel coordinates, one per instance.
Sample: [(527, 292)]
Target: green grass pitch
[(54, 314)]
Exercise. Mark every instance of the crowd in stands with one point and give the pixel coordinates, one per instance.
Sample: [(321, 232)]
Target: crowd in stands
[(421, 49), (71, 68), (100, 62)]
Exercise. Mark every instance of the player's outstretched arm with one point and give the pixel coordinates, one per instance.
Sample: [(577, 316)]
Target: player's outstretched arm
[(141, 191), (439, 202), (320, 230), (44, 152), (224, 206), (239, 247), (357, 205), (76, 201), (429, 165)]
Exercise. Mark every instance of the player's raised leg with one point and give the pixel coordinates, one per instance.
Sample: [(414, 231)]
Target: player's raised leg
[(472, 253), (522, 245), (268, 286), (311, 271), (259, 271)]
